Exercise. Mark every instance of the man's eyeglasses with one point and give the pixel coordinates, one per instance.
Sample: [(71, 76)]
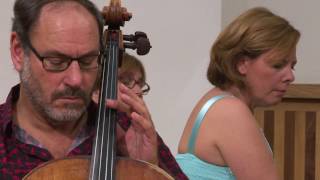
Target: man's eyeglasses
[(131, 82), (61, 63)]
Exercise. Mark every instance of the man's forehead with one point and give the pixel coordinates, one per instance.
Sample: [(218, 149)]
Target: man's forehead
[(65, 10), (62, 18), (61, 6)]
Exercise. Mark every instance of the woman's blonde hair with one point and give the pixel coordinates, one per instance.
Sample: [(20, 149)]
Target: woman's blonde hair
[(253, 33), (130, 62)]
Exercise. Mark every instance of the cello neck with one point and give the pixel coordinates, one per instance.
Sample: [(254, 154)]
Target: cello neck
[(104, 149)]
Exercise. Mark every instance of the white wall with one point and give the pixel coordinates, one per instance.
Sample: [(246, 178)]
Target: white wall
[(181, 33), (8, 77)]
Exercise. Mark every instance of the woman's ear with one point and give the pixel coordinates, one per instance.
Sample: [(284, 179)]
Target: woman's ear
[(243, 65), (17, 52)]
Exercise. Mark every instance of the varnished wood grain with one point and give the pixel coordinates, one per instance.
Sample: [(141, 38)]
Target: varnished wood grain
[(77, 168), (299, 110)]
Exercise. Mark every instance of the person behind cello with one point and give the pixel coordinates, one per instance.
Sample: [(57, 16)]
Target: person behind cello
[(55, 47), (132, 74)]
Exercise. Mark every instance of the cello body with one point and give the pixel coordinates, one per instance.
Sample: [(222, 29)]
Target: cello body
[(77, 168)]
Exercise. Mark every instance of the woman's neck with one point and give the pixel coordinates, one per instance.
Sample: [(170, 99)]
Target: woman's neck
[(243, 95)]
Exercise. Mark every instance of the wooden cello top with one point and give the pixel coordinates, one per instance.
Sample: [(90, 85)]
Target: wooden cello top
[(77, 168)]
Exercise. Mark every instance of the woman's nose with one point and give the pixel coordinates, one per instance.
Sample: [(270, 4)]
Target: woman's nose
[(137, 89), (289, 76)]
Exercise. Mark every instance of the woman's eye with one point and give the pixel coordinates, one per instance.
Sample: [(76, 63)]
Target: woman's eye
[(293, 65), (280, 65), (277, 66)]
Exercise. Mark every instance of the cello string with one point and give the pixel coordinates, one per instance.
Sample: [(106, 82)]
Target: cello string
[(103, 118), (109, 136), (115, 90), (101, 113), (113, 96), (108, 123), (104, 127)]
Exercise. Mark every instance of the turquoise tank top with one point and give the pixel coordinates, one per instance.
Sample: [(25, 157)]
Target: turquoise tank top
[(192, 166)]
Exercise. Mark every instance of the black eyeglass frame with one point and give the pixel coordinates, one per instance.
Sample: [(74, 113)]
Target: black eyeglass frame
[(145, 91), (145, 87), (67, 60)]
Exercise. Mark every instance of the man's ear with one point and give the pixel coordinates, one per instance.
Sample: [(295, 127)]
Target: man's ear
[(17, 52), (243, 65)]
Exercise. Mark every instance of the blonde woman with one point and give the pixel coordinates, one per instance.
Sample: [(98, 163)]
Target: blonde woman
[(252, 63)]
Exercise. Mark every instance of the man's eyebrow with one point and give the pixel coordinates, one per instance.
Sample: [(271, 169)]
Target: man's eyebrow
[(56, 53)]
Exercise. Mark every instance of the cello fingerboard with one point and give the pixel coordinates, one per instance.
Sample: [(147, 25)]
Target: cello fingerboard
[(104, 151)]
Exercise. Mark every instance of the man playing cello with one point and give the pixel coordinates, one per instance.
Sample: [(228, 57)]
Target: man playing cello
[(55, 46)]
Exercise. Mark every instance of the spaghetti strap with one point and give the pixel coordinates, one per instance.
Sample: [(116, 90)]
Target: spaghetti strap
[(199, 119)]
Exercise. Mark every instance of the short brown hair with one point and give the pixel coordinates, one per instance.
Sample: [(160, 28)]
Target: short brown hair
[(253, 33)]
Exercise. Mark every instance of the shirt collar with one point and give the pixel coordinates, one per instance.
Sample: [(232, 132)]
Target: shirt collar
[(6, 109)]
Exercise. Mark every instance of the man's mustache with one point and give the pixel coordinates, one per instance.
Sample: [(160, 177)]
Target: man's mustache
[(77, 93)]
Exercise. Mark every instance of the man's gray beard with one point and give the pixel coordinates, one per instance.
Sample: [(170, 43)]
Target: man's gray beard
[(32, 88)]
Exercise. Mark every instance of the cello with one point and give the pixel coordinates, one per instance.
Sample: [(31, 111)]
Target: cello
[(103, 163)]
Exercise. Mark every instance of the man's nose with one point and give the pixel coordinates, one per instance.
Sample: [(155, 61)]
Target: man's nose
[(73, 75)]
